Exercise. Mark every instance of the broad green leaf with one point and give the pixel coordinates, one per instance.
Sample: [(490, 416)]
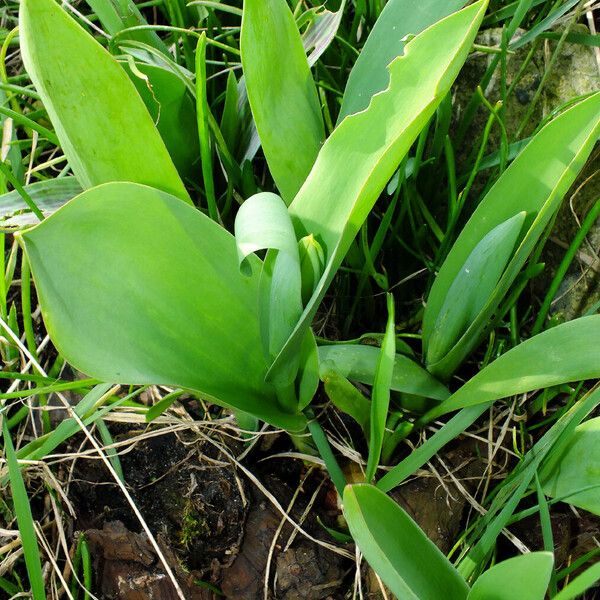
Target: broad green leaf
[(410, 564), (282, 94), (25, 522), (361, 155), (48, 195), (380, 396), (154, 297), (577, 468), (308, 375), (358, 362), (398, 19), (567, 352), (525, 577), (473, 286), (263, 222), (173, 109), (102, 124), (535, 182)]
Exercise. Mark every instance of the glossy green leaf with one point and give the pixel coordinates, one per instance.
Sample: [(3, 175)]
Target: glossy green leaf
[(358, 362), (567, 352), (577, 468), (308, 375), (535, 183), (525, 577), (473, 286), (398, 19), (363, 152), (88, 96), (380, 396), (155, 296), (48, 195), (410, 564), (282, 94)]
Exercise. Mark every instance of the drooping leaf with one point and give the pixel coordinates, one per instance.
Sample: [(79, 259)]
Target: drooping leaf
[(410, 564), (347, 398), (48, 195), (525, 577), (567, 352), (358, 362), (473, 286), (88, 95), (535, 183), (577, 468), (362, 154), (154, 296), (263, 222), (398, 19), (282, 94)]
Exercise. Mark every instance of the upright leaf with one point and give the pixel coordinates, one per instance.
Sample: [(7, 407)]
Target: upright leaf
[(154, 297), (473, 286), (535, 183), (102, 124), (362, 154), (408, 562), (528, 574), (398, 19), (282, 94)]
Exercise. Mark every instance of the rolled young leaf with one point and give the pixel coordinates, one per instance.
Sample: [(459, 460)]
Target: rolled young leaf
[(410, 564), (103, 126), (361, 155), (282, 93), (153, 297)]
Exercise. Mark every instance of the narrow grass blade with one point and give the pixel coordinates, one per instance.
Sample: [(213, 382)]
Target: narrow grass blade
[(186, 318), (398, 19), (202, 111), (358, 362), (580, 584), (282, 94), (408, 562), (88, 96), (567, 352), (361, 155), (528, 574), (22, 510), (535, 183), (380, 398)]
